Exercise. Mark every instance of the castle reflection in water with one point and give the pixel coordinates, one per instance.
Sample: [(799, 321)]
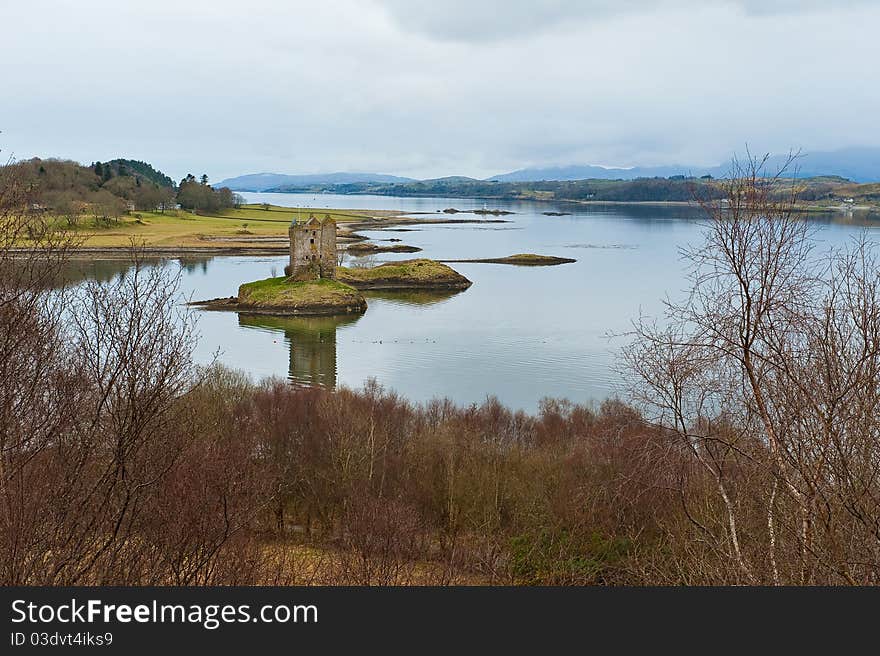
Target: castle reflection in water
[(312, 340)]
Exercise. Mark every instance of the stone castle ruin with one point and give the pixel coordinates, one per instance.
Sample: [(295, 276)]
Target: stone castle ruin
[(312, 249)]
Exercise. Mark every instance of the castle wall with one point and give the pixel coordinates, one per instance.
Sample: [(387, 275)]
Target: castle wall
[(328, 249), (312, 250)]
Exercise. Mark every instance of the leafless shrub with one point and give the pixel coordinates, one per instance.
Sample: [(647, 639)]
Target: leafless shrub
[(106, 474), (382, 542)]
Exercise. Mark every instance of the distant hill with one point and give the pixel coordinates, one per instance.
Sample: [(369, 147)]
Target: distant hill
[(450, 179), (106, 191), (856, 164), (589, 172), (138, 169), (266, 181)]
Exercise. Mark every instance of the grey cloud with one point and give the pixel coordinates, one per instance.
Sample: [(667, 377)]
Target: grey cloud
[(304, 87), (492, 20)]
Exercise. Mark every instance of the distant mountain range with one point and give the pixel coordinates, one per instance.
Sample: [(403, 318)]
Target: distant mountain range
[(590, 172), (856, 164), (265, 181)]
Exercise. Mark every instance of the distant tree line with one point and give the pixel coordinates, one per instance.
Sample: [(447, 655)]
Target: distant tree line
[(106, 191), (676, 188), (142, 170), (195, 194)]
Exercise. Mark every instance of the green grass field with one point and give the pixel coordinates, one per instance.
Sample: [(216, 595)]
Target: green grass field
[(181, 228)]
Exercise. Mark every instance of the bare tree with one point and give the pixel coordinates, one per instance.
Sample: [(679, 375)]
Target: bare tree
[(768, 374), (95, 437)]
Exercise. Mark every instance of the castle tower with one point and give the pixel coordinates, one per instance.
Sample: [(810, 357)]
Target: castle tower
[(312, 249)]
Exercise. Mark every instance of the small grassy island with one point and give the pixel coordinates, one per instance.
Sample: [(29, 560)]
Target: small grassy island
[(522, 259), (282, 296), (454, 210), (406, 274), (370, 249), (306, 297)]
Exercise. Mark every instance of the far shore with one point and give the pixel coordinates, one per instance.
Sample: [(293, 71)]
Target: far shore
[(799, 206), (258, 229)]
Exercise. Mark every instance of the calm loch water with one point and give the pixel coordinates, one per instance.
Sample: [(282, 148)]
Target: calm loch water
[(518, 333)]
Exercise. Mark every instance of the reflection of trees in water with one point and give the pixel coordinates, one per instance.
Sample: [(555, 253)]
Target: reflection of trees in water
[(312, 342), (192, 264), (77, 270), (869, 218), (649, 214)]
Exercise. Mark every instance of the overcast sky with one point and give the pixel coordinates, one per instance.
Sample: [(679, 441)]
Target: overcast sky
[(433, 87)]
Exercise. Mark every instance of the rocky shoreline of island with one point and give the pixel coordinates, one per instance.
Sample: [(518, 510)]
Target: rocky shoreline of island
[(520, 259)]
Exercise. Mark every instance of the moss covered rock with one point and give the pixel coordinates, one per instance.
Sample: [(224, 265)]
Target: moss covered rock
[(406, 274)]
